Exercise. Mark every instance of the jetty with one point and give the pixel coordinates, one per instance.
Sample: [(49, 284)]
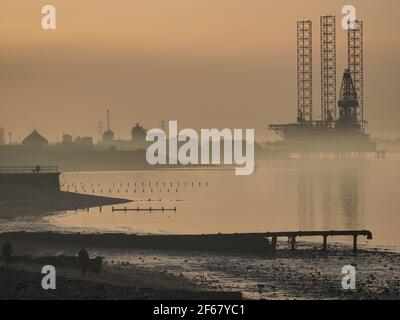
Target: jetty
[(292, 235), (240, 243)]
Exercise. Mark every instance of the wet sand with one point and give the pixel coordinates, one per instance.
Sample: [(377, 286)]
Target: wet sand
[(307, 273), (23, 282), (311, 274)]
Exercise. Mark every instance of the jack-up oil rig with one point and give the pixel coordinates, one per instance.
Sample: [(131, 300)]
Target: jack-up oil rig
[(341, 129)]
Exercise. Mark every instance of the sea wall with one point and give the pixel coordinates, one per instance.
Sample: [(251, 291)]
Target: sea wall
[(80, 160), (14, 182)]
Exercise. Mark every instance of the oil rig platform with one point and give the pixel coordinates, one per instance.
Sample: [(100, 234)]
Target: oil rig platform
[(341, 126)]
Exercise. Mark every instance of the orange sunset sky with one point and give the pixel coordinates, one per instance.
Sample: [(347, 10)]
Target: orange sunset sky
[(205, 63)]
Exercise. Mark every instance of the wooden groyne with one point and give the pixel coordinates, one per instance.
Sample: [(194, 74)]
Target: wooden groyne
[(137, 209), (221, 243), (247, 243)]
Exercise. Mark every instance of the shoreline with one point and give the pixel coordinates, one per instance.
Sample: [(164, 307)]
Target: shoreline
[(37, 203), (306, 273)]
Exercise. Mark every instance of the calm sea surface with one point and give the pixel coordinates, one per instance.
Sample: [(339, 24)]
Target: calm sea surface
[(280, 195)]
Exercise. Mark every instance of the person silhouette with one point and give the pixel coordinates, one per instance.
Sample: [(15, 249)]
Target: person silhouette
[(7, 252), (83, 257)]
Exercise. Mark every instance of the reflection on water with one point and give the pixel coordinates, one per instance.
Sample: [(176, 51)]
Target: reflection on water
[(284, 195), (305, 201), (342, 197), (328, 203), (351, 195)]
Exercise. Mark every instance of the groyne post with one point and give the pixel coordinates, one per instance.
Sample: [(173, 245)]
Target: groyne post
[(325, 243), (273, 246), (355, 243), (292, 243)]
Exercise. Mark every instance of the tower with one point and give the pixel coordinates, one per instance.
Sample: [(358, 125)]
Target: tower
[(348, 104), (356, 65), (108, 120), (328, 68), (109, 134), (304, 72)]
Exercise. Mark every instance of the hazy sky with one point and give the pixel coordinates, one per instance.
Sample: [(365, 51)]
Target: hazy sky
[(205, 63)]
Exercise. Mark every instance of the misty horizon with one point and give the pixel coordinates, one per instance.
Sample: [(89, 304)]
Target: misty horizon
[(204, 64)]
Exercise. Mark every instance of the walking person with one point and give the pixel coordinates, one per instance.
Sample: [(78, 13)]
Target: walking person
[(83, 257), (7, 253)]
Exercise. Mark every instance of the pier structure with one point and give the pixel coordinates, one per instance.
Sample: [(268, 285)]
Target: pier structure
[(292, 235)]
